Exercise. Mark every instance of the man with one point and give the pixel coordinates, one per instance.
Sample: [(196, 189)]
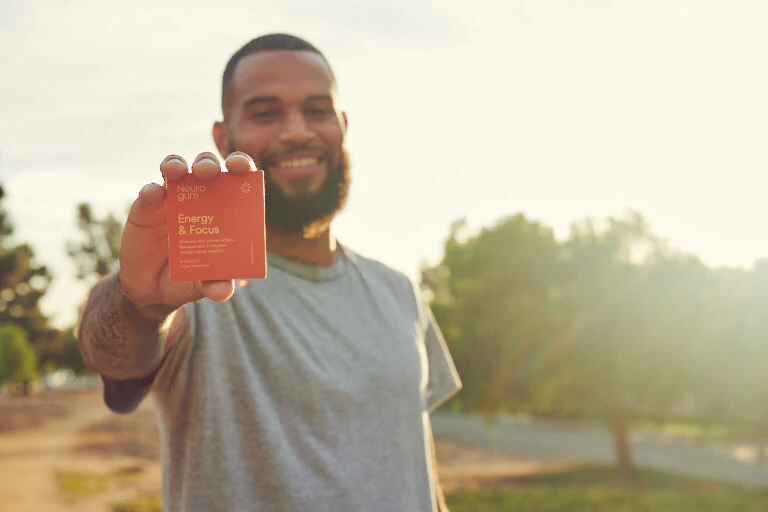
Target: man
[(310, 390)]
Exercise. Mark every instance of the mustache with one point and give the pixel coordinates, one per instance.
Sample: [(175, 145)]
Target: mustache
[(264, 160)]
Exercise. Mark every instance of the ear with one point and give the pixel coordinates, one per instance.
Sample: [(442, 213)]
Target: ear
[(344, 122), (221, 138)]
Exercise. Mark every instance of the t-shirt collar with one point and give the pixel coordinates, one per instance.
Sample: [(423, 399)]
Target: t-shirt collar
[(308, 271)]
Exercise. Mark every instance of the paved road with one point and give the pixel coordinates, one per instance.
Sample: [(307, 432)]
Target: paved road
[(541, 440)]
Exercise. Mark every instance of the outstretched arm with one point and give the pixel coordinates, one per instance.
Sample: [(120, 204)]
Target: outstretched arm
[(124, 344), (126, 323), (119, 340)]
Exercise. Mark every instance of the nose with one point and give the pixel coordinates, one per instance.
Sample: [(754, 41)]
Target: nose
[(295, 129)]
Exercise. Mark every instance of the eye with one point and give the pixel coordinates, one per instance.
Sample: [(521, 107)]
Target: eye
[(317, 113), (264, 115)]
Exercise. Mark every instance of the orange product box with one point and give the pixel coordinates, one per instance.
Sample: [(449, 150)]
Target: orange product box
[(216, 228)]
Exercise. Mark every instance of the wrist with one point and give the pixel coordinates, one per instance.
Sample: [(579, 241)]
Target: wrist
[(146, 309)]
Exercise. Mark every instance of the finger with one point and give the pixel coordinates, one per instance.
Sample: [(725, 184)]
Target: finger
[(239, 163), (206, 167), (217, 291), (146, 208), (173, 167), (151, 195)]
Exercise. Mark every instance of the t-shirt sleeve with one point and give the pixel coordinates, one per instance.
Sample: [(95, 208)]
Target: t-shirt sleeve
[(172, 372), (443, 380)]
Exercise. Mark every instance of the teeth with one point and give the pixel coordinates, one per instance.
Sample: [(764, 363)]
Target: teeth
[(299, 162)]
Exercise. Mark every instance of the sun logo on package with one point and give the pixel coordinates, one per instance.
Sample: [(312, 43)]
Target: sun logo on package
[(245, 188)]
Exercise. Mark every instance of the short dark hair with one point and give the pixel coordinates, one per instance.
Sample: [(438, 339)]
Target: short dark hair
[(264, 43)]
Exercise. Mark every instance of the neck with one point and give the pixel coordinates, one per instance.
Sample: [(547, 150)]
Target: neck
[(319, 250)]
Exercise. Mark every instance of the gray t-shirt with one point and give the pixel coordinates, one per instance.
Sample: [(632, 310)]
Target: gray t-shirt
[(310, 390)]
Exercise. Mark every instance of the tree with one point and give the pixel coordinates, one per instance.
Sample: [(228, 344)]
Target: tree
[(611, 322), (22, 285), (619, 346), (70, 354), (98, 248), (496, 300), (95, 254), (18, 363), (732, 380), (556, 328)]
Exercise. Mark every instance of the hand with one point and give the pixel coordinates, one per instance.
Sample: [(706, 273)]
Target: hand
[(144, 246)]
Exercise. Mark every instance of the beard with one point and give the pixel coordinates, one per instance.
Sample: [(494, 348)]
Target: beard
[(309, 215)]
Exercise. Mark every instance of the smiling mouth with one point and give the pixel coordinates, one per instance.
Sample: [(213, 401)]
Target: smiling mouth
[(298, 166), (298, 162)]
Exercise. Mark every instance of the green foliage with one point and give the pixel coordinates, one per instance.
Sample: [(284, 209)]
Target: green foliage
[(17, 357), (608, 323), (22, 285), (624, 303), (70, 353), (96, 251), (596, 489), (496, 301)]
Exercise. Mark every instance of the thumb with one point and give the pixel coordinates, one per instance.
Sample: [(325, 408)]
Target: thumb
[(217, 291), (148, 207)]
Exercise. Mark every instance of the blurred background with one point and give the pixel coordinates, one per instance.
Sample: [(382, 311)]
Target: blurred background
[(579, 188)]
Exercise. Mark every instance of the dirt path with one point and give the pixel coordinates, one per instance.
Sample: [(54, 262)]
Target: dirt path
[(75, 433), (461, 466), (29, 459)]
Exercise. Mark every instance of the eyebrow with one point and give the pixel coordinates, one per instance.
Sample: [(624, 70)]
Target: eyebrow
[(259, 99), (256, 100), (320, 97)]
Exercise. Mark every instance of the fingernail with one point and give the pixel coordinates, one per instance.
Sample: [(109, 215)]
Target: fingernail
[(245, 157), (173, 158), (209, 158)]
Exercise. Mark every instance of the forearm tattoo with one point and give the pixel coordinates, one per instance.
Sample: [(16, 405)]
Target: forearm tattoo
[(104, 329)]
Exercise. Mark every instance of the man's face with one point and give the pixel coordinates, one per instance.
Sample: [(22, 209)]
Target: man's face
[(282, 111)]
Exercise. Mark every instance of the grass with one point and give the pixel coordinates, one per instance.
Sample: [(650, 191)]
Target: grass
[(602, 489), (76, 484), (139, 505), (587, 488)]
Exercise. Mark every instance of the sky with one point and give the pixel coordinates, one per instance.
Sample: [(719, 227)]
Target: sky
[(558, 109)]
